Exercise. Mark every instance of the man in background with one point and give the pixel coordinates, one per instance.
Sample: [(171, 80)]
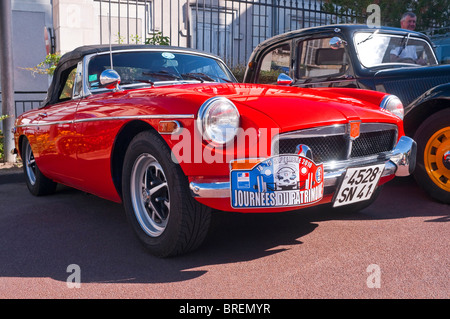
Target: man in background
[(407, 53), (408, 21)]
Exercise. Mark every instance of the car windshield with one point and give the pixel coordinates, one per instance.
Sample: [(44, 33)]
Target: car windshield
[(376, 49), (141, 68)]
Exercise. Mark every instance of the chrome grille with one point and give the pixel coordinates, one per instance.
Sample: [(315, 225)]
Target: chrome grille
[(323, 148), (332, 143)]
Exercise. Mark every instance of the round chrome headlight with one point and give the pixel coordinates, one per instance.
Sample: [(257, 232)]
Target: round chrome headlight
[(218, 120), (392, 104)]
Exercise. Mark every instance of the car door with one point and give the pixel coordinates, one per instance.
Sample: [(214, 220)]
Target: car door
[(318, 63), (310, 62), (275, 62), (54, 134), (97, 124), (97, 127)]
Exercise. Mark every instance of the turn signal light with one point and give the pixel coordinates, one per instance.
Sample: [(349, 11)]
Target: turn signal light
[(168, 127)]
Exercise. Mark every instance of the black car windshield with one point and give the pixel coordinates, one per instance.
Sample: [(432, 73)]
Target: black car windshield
[(376, 49), (139, 68)]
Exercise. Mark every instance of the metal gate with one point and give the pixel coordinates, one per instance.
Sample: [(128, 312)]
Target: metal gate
[(228, 28)]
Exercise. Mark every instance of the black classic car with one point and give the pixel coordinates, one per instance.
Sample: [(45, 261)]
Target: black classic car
[(396, 61)]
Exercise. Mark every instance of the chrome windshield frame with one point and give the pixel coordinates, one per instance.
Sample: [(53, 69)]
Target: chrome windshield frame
[(86, 91)]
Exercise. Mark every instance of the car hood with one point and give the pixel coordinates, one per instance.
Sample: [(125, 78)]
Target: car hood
[(413, 71), (294, 108), (284, 108), (408, 83)]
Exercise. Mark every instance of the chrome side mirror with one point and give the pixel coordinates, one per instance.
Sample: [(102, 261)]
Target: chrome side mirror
[(110, 79), (337, 43), (284, 79)]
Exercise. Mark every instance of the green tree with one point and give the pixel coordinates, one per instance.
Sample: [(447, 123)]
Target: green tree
[(430, 13), (158, 39), (155, 38), (47, 66)]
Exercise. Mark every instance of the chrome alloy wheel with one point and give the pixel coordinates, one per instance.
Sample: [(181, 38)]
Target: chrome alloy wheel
[(30, 165), (150, 195)]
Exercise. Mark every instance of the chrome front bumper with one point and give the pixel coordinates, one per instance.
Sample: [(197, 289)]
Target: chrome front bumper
[(401, 161)]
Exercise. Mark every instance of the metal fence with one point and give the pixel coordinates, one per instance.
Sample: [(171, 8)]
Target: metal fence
[(230, 29), (30, 103), (25, 101)]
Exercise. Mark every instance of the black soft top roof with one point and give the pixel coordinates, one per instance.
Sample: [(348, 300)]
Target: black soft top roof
[(79, 52), (70, 59)]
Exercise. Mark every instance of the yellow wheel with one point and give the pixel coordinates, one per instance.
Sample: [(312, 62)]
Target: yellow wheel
[(433, 155), (437, 158)]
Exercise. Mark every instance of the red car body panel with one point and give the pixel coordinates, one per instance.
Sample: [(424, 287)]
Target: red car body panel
[(170, 134), (78, 153)]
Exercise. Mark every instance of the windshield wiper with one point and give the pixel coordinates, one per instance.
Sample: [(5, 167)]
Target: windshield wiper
[(198, 76), (138, 80), (369, 37), (225, 80), (164, 74), (404, 42)]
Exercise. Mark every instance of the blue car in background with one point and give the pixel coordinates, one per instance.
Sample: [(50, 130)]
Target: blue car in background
[(396, 61), (441, 40)]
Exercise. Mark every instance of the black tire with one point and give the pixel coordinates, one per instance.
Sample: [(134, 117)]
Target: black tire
[(157, 199), (433, 140), (37, 183)]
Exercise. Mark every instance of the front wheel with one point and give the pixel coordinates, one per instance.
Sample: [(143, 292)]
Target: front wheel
[(432, 171), (157, 200)]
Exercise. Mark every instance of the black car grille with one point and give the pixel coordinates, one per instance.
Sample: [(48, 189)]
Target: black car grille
[(323, 148), (336, 147), (373, 143)]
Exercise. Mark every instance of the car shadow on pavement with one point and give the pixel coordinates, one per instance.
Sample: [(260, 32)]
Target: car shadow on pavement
[(42, 236)]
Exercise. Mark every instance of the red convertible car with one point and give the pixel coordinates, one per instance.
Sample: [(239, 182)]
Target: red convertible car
[(170, 134)]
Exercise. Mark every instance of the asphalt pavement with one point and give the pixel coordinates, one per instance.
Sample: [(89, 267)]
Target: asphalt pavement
[(395, 249), (11, 173)]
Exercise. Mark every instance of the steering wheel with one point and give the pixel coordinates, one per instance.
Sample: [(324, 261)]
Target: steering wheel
[(407, 60)]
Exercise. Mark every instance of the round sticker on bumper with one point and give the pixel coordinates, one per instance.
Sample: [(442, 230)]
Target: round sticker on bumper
[(281, 181)]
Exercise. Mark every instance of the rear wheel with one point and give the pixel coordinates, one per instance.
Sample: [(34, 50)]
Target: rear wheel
[(432, 171), (157, 200), (37, 183)]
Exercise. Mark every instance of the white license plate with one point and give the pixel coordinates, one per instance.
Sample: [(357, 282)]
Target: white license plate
[(358, 185)]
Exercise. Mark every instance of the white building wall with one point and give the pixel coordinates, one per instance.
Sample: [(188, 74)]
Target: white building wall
[(74, 24)]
